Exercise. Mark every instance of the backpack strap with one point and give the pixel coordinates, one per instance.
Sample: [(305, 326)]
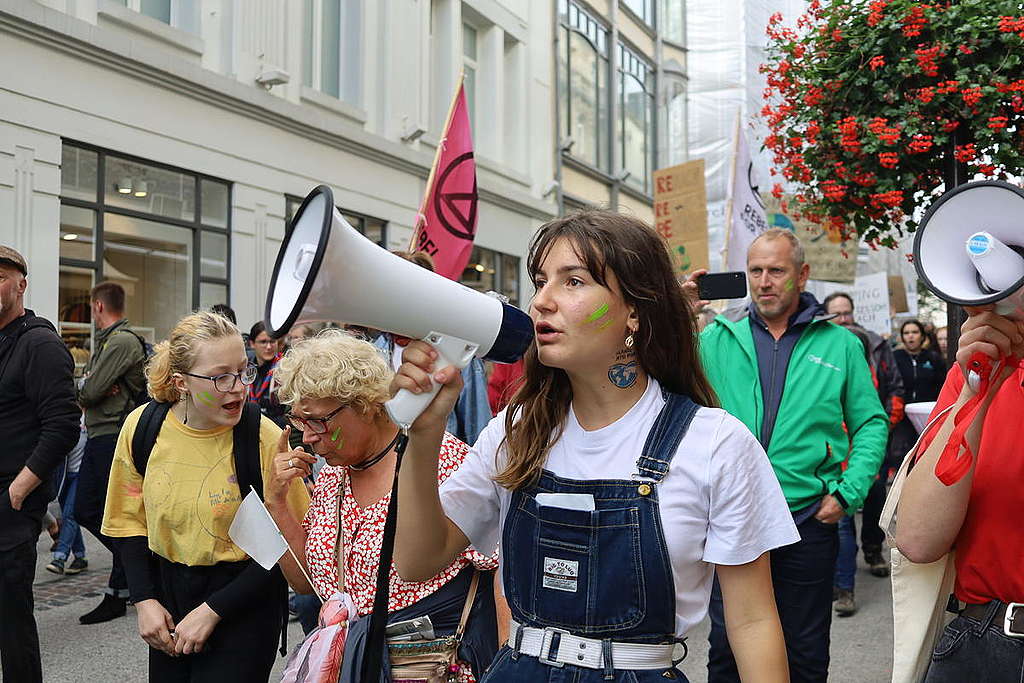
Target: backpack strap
[(146, 431), (248, 463)]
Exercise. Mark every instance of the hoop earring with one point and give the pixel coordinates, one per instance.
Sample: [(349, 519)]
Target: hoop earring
[(629, 341)]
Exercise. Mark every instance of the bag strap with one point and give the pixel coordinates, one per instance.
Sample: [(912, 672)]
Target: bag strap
[(468, 607), (887, 520), (246, 443), (340, 555), (146, 431)]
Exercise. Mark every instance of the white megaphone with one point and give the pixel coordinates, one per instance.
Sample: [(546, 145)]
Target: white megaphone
[(328, 271), (969, 248)]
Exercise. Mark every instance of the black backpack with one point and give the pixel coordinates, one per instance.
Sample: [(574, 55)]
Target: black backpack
[(142, 395)]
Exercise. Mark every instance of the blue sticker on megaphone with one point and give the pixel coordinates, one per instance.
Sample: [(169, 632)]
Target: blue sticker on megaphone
[(979, 244)]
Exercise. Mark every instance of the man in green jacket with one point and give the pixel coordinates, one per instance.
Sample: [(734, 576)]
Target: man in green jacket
[(107, 391), (803, 387)]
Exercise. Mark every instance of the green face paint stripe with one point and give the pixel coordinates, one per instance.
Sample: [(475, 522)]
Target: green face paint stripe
[(598, 314), (605, 324), (336, 434), (789, 285), (206, 398)]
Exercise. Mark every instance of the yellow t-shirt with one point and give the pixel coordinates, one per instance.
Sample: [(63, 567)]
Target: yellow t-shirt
[(189, 497)]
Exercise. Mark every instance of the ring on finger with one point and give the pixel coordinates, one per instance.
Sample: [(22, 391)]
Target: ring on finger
[(291, 463)]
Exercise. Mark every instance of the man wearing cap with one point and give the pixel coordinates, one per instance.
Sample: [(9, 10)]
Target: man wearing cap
[(38, 426)]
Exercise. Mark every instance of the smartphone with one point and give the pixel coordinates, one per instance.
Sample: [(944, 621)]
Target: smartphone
[(731, 285)]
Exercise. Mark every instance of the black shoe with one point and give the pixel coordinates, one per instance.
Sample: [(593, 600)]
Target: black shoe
[(110, 608), (78, 565), (877, 564), (845, 606), (56, 566)]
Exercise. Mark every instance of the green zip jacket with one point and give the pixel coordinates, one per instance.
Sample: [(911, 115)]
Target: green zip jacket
[(828, 383), (117, 359)]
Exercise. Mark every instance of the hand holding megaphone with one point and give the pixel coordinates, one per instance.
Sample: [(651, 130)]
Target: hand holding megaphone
[(426, 375), (988, 334)]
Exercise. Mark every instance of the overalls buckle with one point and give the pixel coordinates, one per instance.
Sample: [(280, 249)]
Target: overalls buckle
[(545, 647)]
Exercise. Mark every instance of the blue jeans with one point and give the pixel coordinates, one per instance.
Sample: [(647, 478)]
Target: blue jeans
[(972, 650), (846, 562), (70, 540)]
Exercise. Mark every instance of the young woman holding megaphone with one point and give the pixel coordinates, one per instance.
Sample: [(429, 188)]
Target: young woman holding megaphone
[(968, 500), (613, 485)]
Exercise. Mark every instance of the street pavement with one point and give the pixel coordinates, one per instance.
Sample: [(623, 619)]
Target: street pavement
[(113, 652)]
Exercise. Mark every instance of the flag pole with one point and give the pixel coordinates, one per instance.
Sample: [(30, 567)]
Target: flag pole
[(732, 189), (421, 215)]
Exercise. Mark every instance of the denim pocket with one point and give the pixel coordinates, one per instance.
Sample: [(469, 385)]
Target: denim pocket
[(952, 638), (587, 571)]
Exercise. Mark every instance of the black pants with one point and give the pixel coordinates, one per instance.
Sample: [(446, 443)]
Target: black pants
[(802, 576), (871, 535), (242, 647), (19, 640), (92, 496)]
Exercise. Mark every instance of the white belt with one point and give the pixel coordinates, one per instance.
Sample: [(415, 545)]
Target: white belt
[(587, 652)]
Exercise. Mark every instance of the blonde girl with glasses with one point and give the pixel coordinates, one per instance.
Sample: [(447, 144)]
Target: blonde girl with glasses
[(207, 611)]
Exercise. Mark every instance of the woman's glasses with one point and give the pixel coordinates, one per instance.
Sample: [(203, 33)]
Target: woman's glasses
[(316, 425), (226, 382)]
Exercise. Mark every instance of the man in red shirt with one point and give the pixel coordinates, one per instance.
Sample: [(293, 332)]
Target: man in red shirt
[(978, 514)]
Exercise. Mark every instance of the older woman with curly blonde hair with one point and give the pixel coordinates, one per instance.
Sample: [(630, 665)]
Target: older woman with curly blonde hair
[(335, 385)]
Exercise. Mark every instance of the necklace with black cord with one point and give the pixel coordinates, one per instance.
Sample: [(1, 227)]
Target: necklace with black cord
[(373, 460)]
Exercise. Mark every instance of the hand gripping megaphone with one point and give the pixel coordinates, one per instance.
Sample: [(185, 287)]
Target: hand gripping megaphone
[(328, 271), (969, 248)]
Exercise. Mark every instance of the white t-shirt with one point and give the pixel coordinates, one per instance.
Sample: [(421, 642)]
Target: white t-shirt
[(720, 502)]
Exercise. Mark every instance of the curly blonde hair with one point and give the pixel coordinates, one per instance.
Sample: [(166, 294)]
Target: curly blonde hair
[(334, 364), (178, 352)]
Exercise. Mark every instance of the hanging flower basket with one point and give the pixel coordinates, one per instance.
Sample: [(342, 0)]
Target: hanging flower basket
[(864, 98)]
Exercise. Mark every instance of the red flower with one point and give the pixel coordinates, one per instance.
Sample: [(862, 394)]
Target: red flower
[(877, 9), (998, 122), (888, 159), (925, 95), (965, 50), (914, 21), (777, 190), (926, 59), (876, 62), (965, 153), (833, 191), (987, 169), (837, 35), (971, 96), (920, 143)]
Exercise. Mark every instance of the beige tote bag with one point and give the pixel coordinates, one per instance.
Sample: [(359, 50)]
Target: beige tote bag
[(919, 591)]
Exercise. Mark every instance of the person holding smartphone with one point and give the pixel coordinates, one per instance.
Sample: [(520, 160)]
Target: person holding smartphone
[(612, 482)]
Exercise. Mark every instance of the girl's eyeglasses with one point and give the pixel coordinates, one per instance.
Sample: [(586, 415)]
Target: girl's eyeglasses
[(226, 382), (316, 425)]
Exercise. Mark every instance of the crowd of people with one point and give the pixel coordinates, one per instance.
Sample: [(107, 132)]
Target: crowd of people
[(647, 463)]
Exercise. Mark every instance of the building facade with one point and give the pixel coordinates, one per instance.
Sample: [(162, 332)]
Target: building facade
[(165, 144), (620, 104)]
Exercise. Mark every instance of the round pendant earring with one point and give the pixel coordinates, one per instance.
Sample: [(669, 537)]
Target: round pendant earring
[(629, 341)]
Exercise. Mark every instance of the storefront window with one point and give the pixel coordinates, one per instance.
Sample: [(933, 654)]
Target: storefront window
[(490, 270), (142, 232)]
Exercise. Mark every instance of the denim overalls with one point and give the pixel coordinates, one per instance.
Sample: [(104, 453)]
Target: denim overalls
[(604, 574)]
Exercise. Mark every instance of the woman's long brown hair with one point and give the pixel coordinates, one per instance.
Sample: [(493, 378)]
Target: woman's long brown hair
[(665, 343)]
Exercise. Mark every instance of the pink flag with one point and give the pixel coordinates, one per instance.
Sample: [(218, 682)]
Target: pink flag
[(446, 224)]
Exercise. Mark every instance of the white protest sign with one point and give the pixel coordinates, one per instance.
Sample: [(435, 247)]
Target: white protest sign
[(748, 219), (870, 294)]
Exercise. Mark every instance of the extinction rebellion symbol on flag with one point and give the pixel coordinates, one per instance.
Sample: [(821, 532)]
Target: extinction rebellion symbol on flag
[(456, 219)]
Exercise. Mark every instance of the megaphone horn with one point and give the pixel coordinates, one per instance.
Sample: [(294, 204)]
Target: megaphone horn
[(327, 271), (969, 248)]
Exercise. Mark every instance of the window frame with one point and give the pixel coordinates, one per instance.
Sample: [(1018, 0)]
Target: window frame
[(290, 199), (499, 272), (350, 78), (100, 209), (566, 28), (651, 131)]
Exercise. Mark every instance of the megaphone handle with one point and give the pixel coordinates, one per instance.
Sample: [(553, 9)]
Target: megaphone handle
[(406, 406)]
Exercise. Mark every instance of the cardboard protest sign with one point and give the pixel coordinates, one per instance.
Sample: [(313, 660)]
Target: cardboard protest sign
[(681, 214), (823, 248)]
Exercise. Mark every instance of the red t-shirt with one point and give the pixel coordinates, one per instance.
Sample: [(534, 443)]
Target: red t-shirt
[(990, 545)]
